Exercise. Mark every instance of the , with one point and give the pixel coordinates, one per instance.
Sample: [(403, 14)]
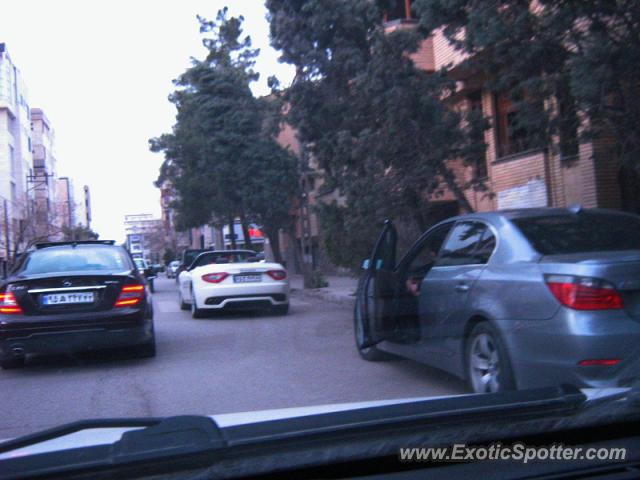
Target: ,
[(73, 297), (233, 279), (510, 299)]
